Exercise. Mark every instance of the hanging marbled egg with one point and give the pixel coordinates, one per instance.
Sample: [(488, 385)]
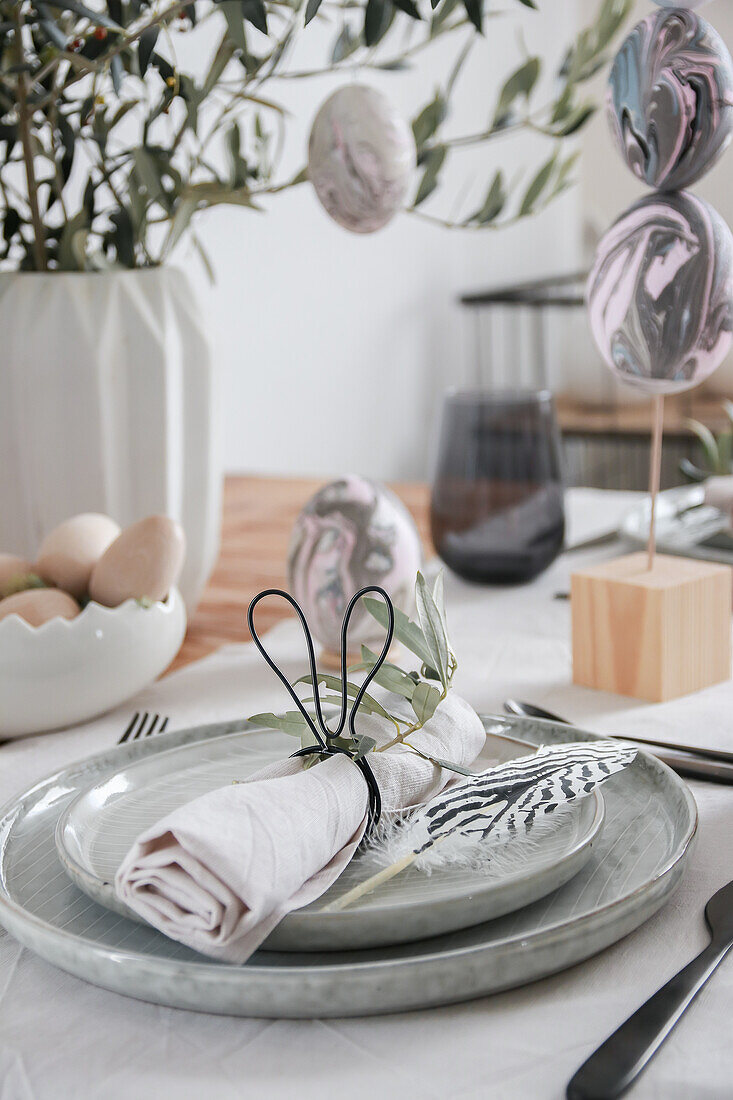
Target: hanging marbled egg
[(670, 98), (660, 295), (352, 533), (361, 156)]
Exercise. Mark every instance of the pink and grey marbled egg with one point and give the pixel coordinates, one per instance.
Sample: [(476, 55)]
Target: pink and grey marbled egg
[(361, 156), (352, 533), (670, 98), (660, 295)]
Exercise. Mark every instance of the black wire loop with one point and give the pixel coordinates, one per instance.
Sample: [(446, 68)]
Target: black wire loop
[(322, 733)]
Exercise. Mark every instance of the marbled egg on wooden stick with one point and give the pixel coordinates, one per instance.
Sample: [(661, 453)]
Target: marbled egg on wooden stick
[(38, 605), (670, 98), (361, 156), (144, 561), (660, 294), (69, 553), (12, 570)]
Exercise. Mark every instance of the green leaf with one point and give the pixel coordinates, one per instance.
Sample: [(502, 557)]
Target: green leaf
[(368, 702), (388, 676), (292, 722), (364, 745), (145, 48), (433, 161), (405, 631), (311, 10), (424, 701), (184, 212), (440, 762), (346, 44), (234, 16), (377, 19), (408, 7), (432, 628), (254, 12), (537, 186), (123, 236), (575, 120), (429, 119), (494, 202), (147, 173), (519, 84), (475, 12)]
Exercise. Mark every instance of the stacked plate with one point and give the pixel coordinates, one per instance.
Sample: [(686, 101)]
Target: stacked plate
[(607, 864)]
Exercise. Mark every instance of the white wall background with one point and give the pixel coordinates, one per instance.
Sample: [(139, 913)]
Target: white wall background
[(334, 349)]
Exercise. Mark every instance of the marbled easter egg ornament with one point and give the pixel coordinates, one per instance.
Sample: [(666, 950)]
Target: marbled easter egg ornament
[(660, 294), (351, 534), (670, 98), (361, 156)]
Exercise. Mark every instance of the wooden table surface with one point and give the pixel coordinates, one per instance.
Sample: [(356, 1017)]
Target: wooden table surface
[(259, 513)]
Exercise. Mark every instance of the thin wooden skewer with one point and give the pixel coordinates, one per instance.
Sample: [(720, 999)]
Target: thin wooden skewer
[(655, 471)]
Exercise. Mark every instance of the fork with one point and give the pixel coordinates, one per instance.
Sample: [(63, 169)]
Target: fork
[(143, 725)]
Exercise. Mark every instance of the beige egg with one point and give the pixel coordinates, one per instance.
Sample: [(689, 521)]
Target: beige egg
[(144, 561), (69, 552), (12, 570), (38, 605)]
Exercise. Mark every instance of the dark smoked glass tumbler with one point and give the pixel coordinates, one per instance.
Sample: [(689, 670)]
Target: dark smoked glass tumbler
[(497, 511)]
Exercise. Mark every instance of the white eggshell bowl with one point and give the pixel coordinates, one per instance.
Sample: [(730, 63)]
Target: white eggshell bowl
[(70, 670)]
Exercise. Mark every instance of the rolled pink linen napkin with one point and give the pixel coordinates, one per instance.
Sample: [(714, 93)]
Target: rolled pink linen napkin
[(220, 872)]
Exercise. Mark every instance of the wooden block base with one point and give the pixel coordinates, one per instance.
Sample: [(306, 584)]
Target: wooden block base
[(655, 634)]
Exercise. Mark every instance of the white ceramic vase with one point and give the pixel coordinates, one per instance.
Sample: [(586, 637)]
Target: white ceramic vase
[(107, 405)]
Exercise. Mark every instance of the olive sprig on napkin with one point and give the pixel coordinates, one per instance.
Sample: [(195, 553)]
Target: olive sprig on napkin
[(423, 691)]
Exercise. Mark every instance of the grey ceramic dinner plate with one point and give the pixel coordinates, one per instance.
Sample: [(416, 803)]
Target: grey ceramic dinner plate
[(635, 865), (98, 828)]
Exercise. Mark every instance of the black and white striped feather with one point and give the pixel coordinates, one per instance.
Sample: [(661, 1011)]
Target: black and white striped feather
[(512, 798), (513, 795)]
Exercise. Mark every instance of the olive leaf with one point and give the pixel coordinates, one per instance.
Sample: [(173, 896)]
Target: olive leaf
[(405, 630), (424, 701), (388, 676), (368, 702), (292, 722), (432, 628)]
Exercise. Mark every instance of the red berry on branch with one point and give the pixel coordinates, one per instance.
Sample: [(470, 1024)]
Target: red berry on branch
[(100, 33)]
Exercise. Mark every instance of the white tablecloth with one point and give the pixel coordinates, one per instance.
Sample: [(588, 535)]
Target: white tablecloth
[(62, 1038)]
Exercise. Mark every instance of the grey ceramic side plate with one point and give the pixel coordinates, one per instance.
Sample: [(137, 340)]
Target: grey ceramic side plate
[(101, 824), (636, 864)]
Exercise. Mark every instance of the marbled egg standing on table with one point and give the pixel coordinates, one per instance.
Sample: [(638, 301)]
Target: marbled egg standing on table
[(660, 294), (361, 156), (352, 533), (670, 98)]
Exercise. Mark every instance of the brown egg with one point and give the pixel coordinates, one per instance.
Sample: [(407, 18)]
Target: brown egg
[(38, 605), (144, 561), (69, 552), (12, 571)]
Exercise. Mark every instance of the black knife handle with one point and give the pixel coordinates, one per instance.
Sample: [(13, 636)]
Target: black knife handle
[(614, 1066)]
